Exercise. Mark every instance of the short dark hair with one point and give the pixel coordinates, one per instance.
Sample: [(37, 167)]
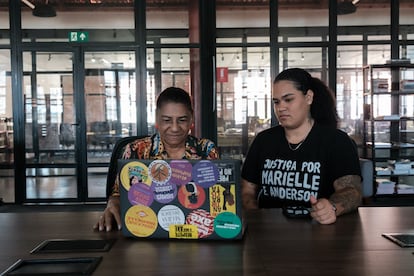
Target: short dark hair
[(174, 95), (323, 108)]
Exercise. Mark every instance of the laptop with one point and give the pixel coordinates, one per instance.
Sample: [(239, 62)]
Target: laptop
[(181, 199)]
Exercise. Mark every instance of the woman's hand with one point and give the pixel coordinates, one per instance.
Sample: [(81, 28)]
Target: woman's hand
[(323, 211), (111, 212)]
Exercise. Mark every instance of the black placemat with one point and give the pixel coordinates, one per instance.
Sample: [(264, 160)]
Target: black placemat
[(67, 245), (67, 266), (402, 239)]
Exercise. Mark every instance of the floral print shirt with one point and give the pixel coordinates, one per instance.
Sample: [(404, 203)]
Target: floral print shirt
[(152, 148)]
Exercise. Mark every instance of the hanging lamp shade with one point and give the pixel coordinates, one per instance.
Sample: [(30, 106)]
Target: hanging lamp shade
[(346, 7), (44, 10)]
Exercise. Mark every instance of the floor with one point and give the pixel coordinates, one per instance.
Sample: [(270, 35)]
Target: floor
[(59, 186)]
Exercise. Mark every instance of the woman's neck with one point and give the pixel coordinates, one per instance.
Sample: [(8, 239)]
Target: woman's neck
[(175, 152), (297, 135)]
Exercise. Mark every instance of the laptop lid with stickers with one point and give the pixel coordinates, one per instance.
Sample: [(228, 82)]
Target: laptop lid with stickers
[(181, 199)]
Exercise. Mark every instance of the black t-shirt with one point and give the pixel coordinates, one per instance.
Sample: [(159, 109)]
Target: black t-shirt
[(289, 177)]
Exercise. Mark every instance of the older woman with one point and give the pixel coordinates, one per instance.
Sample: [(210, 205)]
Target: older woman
[(174, 118), (305, 165)]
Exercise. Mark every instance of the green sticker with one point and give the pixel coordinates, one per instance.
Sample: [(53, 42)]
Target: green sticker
[(227, 225)]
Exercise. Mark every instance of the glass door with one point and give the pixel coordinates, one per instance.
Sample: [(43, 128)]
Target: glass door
[(110, 97), (77, 105), (51, 127)]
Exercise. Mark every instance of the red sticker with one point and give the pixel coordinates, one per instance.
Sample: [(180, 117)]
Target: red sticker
[(203, 220)]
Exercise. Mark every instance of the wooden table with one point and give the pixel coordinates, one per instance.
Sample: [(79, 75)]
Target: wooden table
[(273, 245)]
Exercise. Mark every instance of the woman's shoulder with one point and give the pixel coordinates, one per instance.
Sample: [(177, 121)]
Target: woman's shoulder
[(275, 130), (140, 140), (195, 140), (332, 134)]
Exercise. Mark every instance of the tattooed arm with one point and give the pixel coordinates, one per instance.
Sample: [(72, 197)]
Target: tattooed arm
[(348, 194), (249, 195), (346, 198)]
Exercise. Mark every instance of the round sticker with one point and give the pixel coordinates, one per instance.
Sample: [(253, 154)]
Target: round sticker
[(134, 172), (164, 193), (181, 171), (191, 196), (159, 171), (203, 220), (227, 225), (170, 215), (141, 221), (140, 194), (205, 173)]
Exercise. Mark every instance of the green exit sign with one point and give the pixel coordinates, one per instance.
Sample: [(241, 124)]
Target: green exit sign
[(78, 36)]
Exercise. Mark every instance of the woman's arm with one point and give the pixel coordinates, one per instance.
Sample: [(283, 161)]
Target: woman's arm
[(346, 198), (249, 195), (348, 195)]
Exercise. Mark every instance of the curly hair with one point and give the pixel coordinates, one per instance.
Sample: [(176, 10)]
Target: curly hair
[(323, 107)]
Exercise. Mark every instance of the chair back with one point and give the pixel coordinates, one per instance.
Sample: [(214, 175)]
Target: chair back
[(117, 152)]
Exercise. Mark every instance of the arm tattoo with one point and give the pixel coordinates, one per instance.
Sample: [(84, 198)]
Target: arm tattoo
[(249, 195), (347, 192)]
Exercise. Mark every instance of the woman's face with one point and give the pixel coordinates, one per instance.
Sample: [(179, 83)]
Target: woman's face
[(291, 106), (135, 180), (174, 122)]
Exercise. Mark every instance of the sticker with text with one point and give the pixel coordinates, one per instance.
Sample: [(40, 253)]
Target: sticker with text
[(164, 193), (181, 171), (140, 194), (227, 225), (170, 215), (183, 231), (205, 173), (203, 220), (141, 221), (222, 198)]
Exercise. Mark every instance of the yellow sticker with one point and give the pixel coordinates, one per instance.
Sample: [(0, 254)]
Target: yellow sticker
[(222, 199), (134, 172), (141, 221), (183, 231)]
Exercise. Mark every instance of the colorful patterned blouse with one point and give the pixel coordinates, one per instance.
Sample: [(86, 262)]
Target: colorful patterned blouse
[(153, 148)]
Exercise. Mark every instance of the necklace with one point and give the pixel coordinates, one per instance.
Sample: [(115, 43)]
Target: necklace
[(295, 147)]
